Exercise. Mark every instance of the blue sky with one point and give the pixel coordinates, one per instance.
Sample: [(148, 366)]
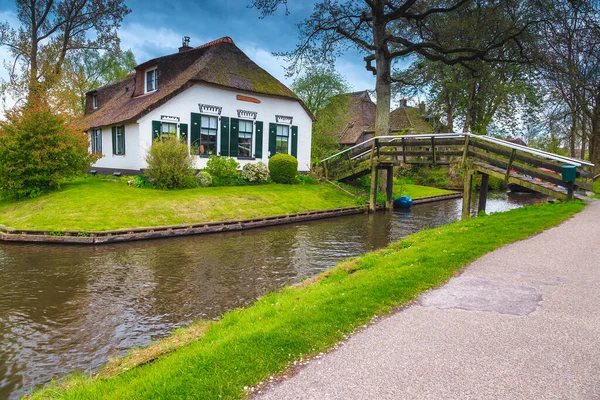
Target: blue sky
[(155, 28)]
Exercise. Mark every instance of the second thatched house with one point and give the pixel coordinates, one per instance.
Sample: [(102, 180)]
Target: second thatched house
[(357, 119)]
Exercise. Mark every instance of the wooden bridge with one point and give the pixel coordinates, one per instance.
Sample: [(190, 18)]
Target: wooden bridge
[(528, 167)]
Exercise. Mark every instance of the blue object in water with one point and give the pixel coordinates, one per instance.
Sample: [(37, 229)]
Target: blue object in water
[(403, 202)]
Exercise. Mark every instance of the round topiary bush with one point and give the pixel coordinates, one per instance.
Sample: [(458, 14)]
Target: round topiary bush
[(204, 179), (256, 172), (283, 168)]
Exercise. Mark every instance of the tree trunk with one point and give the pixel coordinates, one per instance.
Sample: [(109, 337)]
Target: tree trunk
[(470, 106), (583, 137), (573, 135), (595, 141)]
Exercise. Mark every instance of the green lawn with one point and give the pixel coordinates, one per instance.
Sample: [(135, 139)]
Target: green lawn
[(597, 189), (417, 192), (96, 204), (248, 345)]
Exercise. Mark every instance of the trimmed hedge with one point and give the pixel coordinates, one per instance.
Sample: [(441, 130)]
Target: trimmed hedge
[(283, 168)]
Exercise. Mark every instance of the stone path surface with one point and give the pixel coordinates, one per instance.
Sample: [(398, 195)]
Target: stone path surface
[(522, 322)]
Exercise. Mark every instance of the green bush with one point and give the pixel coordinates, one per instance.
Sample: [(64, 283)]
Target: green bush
[(222, 168), (38, 149), (169, 165), (255, 172), (306, 180), (204, 179), (142, 181), (283, 168)]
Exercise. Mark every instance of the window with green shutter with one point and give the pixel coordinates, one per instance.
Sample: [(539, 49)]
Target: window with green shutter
[(183, 133), (195, 133), (282, 139), (295, 141), (272, 138), (155, 130), (225, 136), (258, 145)]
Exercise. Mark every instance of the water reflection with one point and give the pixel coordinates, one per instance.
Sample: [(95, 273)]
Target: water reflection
[(70, 308)]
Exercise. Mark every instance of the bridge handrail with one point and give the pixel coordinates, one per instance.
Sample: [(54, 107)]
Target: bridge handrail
[(396, 137), (556, 157), (541, 153)]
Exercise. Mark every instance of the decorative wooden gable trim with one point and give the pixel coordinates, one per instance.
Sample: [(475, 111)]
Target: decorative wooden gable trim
[(249, 99), (245, 114), (284, 119), (209, 109)]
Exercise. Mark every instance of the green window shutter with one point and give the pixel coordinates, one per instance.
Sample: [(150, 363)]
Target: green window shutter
[(225, 136), (234, 137), (272, 138), (183, 133), (258, 147), (295, 141), (155, 130), (114, 139), (195, 133)]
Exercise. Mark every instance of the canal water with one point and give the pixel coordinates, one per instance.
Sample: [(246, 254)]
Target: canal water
[(67, 308)]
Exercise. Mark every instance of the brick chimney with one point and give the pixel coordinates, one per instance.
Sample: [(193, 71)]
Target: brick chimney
[(185, 44)]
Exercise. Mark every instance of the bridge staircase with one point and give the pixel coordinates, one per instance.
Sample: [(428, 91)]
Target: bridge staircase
[(525, 166)]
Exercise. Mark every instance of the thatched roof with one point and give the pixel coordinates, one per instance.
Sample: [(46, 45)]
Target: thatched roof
[(410, 120), (219, 63), (359, 117)]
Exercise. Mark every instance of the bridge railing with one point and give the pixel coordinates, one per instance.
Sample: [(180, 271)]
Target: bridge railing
[(453, 147)]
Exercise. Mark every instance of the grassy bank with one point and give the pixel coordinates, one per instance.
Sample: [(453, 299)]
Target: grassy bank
[(248, 345), (96, 204), (417, 191)]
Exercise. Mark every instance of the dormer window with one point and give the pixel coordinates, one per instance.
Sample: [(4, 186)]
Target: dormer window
[(95, 102), (151, 80)]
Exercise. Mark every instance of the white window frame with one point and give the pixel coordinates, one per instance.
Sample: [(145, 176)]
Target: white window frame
[(251, 138), (120, 135), (163, 123), (217, 131), (155, 69), (95, 102), (95, 134), (287, 145)]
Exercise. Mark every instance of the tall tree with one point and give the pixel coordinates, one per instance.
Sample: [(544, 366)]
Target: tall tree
[(51, 30), (388, 30), (85, 71), (318, 85)]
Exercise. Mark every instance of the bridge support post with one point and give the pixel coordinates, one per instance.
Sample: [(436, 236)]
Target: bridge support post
[(373, 197), (389, 202), (466, 205), (483, 192)]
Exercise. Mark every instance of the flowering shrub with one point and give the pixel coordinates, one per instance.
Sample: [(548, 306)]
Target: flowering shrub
[(204, 179), (257, 172)]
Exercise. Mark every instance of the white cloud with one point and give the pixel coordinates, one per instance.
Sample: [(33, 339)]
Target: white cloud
[(148, 42), (266, 60)]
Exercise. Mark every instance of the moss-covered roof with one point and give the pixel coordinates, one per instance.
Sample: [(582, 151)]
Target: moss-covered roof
[(219, 63)]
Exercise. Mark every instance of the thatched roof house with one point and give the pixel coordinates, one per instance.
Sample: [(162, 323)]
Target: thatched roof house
[(358, 119), (213, 96)]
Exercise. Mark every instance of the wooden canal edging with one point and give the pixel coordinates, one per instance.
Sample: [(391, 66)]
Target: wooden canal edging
[(528, 167), (127, 235)]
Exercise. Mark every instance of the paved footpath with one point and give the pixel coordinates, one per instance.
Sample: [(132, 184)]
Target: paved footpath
[(522, 322)]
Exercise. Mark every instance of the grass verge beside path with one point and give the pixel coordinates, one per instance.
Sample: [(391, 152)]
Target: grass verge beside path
[(248, 345), (97, 204)]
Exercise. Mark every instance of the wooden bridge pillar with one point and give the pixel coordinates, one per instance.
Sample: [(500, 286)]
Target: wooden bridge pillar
[(389, 201), (373, 197), (483, 192), (466, 205)]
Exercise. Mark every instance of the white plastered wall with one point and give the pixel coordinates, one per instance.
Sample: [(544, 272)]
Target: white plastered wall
[(130, 160), (187, 102)]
